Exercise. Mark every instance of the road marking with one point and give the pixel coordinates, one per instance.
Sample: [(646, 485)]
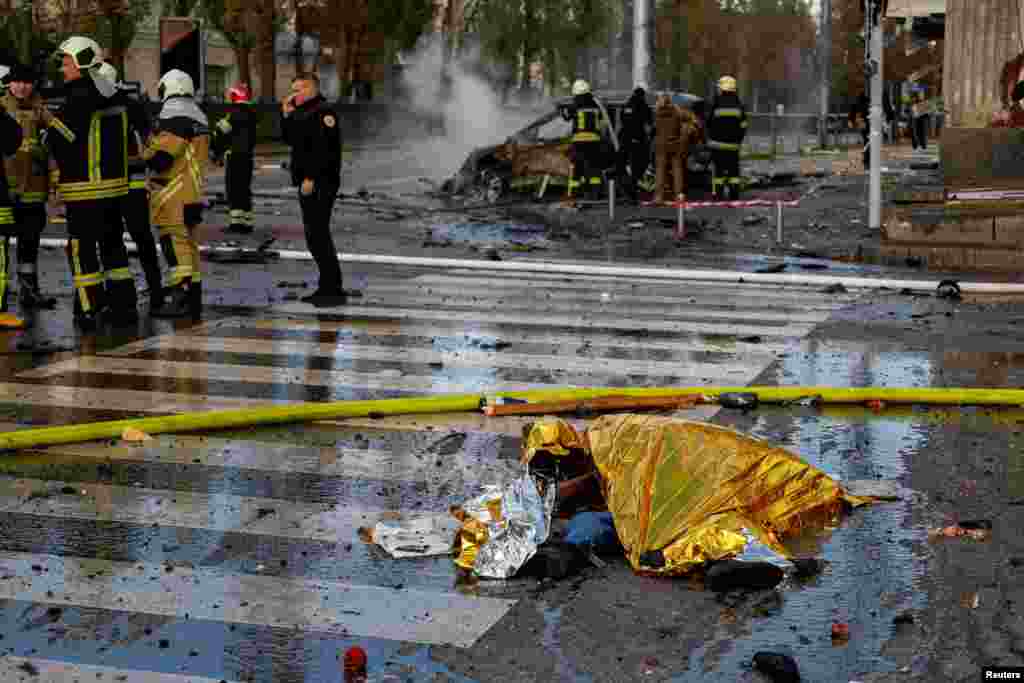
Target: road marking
[(123, 400), (52, 671), (222, 512), (346, 351), (331, 607)]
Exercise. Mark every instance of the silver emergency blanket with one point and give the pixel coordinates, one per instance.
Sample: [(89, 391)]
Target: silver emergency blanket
[(416, 537), (503, 527)]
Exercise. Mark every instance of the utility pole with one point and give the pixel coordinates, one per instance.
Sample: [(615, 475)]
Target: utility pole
[(825, 59), (642, 20), (873, 23)]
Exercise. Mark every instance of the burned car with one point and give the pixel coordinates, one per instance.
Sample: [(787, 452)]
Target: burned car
[(537, 158)]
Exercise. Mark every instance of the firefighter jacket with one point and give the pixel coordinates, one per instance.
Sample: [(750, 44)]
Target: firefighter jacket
[(10, 141), (88, 139), (139, 130), (235, 133), (668, 129), (313, 133), (28, 176), (177, 156), (587, 119), (727, 123)]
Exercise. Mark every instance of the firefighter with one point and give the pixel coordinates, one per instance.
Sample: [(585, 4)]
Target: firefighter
[(88, 139), (588, 149), (10, 141), (234, 138), (135, 206), (635, 139), (311, 129), (29, 179), (727, 126), (176, 155)]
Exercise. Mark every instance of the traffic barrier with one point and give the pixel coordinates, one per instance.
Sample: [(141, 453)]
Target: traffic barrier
[(683, 205), (462, 403)]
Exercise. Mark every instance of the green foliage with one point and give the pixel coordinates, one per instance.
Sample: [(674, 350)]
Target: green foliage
[(400, 23), (215, 13), (22, 39), (178, 8), (515, 33), (116, 27)]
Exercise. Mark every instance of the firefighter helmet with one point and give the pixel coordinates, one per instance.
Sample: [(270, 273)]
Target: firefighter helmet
[(108, 71), (4, 73), (580, 87), (239, 93), (175, 83), (727, 84), (84, 51)]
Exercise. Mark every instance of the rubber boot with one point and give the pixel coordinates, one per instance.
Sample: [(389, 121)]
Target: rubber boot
[(29, 295), (178, 305)]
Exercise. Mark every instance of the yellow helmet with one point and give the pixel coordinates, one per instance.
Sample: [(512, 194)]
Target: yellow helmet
[(727, 84)]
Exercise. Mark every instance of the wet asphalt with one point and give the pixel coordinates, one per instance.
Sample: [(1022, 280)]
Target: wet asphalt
[(87, 529)]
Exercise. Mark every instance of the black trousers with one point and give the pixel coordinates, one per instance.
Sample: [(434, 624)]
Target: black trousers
[(98, 257), (30, 220), (238, 172), (135, 207), (636, 153), (316, 217), (919, 132)]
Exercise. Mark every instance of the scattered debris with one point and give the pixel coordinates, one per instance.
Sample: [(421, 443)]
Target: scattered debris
[(738, 400), (29, 668), (135, 435), (11, 321), (806, 567), (492, 255), (418, 537), (554, 561), (284, 284), (948, 289), (978, 530), (594, 405), (354, 664), (840, 631), (814, 266), (751, 339), (877, 489), (876, 406), (753, 220), (777, 667), (903, 619), (778, 268)]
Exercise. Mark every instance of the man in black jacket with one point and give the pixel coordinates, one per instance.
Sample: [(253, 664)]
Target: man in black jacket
[(10, 141), (727, 127), (635, 139), (310, 128), (234, 139)]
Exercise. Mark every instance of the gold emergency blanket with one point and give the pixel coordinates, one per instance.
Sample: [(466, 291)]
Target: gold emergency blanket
[(682, 493)]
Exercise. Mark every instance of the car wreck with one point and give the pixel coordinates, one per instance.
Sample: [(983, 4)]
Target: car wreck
[(537, 158)]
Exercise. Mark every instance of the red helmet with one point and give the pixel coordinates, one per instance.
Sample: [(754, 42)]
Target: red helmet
[(239, 93)]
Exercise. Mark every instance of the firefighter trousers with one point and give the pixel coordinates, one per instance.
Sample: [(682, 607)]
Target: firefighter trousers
[(5, 257), (180, 245), (665, 162), (135, 207), (316, 217), (589, 164), (726, 171), (99, 259), (30, 217), (238, 172)]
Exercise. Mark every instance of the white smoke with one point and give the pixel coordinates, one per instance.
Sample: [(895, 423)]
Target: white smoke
[(473, 113)]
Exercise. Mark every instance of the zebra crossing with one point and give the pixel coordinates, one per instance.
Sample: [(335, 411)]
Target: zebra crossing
[(237, 556)]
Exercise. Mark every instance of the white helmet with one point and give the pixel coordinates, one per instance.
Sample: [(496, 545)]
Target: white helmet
[(580, 87), (85, 51), (175, 83), (4, 72), (727, 84), (108, 71)]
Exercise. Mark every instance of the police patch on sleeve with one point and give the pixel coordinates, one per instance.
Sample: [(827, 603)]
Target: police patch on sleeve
[(329, 121)]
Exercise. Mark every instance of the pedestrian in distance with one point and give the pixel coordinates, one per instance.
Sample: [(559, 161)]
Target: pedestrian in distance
[(135, 206), (177, 156), (310, 127), (88, 138), (234, 140), (28, 175)]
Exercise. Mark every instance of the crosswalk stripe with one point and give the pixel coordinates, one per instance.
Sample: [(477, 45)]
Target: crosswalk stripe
[(195, 510), (332, 607), (406, 465), (359, 329), (344, 351), (37, 670), (568, 321), (121, 400)]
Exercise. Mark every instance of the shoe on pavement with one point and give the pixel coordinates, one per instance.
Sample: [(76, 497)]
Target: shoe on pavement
[(326, 299)]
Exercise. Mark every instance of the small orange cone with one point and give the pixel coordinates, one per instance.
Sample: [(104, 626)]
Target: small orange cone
[(355, 665)]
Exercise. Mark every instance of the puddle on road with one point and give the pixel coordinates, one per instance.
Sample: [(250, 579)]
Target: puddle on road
[(491, 234)]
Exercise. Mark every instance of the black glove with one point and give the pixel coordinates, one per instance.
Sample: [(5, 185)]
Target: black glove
[(193, 215)]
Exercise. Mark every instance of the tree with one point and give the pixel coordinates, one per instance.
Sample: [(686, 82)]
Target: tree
[(257, 23), (114, 24), (237, 34)]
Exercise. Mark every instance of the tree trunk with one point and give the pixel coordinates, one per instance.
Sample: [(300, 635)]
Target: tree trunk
[(268, 69), (244, 69)]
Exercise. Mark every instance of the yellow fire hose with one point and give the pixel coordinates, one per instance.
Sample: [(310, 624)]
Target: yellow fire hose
[(461, 403)]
